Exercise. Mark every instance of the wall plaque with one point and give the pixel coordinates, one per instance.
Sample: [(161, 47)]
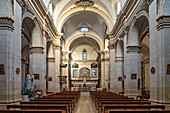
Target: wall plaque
[(168, 69), (36, 76), (2, 69), (133, 76), (153, 70), (17, 70)]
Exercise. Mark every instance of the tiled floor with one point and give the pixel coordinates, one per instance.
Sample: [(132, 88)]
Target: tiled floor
[(85, 104)]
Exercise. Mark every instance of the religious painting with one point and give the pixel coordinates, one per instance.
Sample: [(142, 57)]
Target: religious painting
[(168, 69), (62, 79), (2, 69), (84, 72), (94, 73), (75, 65), (94, 65), (49, 78), (119, 78), (36, 76), (75, 73), (133, 76)]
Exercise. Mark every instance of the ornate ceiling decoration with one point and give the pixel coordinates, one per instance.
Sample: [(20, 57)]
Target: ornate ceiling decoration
[(84, 3)]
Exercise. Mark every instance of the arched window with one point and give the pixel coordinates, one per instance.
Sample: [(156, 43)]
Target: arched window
[(84, 53)]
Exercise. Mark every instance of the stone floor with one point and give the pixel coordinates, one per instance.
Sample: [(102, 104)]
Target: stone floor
[(85, 104)]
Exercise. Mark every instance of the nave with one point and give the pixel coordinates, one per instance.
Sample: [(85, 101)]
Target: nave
[(85, 102)]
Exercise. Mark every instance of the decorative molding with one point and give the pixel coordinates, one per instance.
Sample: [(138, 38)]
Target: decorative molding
[(84, 3), (119, 59), (64, 60), (51, 59), (163, 22), (36, 49), (111, 47), (19, 2), (6, 23), (133, 49), (107, 59), (149, 1), (58, 47)]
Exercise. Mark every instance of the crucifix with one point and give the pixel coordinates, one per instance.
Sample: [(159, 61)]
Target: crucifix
[(84, 76)]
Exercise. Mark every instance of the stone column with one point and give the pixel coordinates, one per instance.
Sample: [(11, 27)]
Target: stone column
[(112, 66), (159, 52), (102, 69), (133, 73), (10, 52), (57, 63), (107, 69), (65, 68), (37, 67), (118, 77), (147, 74)]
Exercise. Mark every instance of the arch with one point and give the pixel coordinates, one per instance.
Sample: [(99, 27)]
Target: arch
[(75, 10), (134, 33), (87, 35), (120, 49), (84, 71), (36, 30)]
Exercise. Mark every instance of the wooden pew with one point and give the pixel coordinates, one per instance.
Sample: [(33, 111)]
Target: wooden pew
[(139, 111), (51, 102), (107, 108), (31, 111), (64, 108)]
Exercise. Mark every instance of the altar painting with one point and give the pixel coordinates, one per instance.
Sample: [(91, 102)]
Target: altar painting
[(75, 73), (84, 72), (94, 73)]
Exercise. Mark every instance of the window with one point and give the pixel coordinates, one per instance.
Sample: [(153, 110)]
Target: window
[(84, 54), (50, 8), (84, 29)]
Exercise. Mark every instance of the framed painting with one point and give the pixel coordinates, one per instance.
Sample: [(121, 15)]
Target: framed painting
[(94, 73), (75, 65), (49, 78), (119, 78), (2, 69), (36, 76), (133, 76), (93, 65), (75, 73)]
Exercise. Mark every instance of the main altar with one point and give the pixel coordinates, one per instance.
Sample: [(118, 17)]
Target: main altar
[(84, 84)]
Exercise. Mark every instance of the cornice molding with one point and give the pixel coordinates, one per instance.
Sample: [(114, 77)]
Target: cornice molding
[(133, 49), (19, 2), (6, 23), (163, 22), (34, 49), (51, 60)]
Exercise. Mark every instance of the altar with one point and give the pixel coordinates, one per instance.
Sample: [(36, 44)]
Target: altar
[(84, 89)]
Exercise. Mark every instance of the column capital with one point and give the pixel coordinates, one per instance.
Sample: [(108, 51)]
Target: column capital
[(134, 49), (111, 47), (58, 47), (36, 49), (163, 22), (6, 23)]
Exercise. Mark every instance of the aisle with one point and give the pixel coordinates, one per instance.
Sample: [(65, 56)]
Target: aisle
[(85, 104)]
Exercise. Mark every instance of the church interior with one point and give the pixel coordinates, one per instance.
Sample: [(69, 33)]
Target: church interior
[(85, 56)]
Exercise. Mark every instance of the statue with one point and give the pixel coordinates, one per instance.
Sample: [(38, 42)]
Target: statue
[(28, 82)]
